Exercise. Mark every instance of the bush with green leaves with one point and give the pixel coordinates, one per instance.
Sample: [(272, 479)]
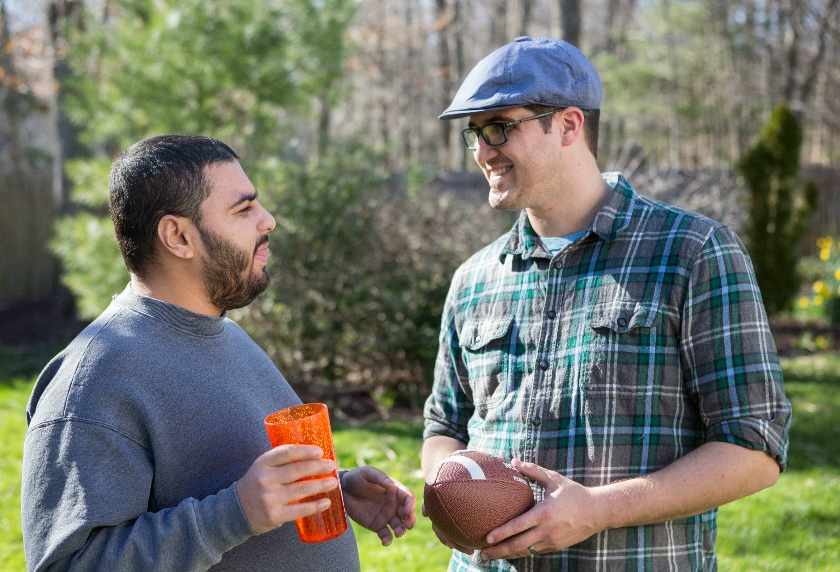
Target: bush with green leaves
[(361, 262), (780, 204), (244, 72)]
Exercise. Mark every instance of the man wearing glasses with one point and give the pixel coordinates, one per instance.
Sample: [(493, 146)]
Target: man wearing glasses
[(616, 347)]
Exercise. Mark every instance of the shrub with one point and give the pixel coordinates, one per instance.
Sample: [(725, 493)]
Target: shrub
[(779, 207)]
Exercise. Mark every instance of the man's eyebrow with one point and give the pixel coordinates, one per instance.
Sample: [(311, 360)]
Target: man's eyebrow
[(244, 198), (494, 119)]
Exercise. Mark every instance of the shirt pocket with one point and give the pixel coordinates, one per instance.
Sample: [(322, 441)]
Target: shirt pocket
[(622, 316), (489, 357), (621, 351)]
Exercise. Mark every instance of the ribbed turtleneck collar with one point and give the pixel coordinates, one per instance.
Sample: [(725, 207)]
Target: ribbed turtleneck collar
[(176, 316)]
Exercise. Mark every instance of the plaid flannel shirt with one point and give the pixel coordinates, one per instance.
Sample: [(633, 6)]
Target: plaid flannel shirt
[(633, 346)]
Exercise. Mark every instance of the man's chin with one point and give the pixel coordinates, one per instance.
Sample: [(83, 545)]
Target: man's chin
[(501, 200)]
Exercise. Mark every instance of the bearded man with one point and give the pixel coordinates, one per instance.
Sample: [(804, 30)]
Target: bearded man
[(146, 448)]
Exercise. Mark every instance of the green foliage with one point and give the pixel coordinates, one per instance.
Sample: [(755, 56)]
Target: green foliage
[(93, 267), (241, 71), (779, 207), (359, 273)]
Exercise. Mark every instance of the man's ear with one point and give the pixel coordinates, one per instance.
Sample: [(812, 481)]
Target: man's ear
[(176, 236), (571, 125)]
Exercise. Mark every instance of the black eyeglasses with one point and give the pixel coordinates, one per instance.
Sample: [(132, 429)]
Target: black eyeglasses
[(495, 134)]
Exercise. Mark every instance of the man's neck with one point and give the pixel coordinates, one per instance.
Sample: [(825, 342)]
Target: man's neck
[(574, 209), (182, 293)]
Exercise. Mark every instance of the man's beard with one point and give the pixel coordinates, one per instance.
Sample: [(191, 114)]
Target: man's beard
[(227, 284)]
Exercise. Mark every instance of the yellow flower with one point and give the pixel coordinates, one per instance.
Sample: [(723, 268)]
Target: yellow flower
[(803, 302), (818, 300), (825, 253), (818, 286), (824, 242), (837, 274), (822, 342)]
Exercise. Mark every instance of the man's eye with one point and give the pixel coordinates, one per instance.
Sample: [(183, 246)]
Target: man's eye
[(245, 209)]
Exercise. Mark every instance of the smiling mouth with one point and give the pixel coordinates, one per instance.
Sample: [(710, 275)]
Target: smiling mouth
[(494, 174)]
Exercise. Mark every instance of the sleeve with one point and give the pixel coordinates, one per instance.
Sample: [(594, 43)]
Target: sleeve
[(85, 505), (729, 357), (449, 406)]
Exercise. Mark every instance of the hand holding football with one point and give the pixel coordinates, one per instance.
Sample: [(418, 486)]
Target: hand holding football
[(469, 493)]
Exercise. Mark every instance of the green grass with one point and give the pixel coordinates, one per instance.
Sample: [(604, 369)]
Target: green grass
[(18, 370), (791, 527)]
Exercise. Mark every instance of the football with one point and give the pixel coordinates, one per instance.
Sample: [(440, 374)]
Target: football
[(468, 494)]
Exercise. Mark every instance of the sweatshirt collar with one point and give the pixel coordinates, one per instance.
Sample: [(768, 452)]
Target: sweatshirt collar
[(176, 316)]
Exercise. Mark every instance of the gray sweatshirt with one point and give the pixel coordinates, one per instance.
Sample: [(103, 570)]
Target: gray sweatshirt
[(138, 431)]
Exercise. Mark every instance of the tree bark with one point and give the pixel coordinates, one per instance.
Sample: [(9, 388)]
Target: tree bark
[(570, 13), (445, 18), (805, 92)]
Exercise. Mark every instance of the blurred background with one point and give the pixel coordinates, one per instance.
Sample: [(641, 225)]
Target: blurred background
[(726, 107), (729, 108)]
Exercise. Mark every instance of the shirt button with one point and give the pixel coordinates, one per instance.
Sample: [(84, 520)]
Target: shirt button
[(477, 339), (544, 364), (558, 265), (552, 314), (536, 421), (621, 322)]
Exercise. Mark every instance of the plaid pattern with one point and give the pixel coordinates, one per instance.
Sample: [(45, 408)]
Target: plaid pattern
[(636, 344)]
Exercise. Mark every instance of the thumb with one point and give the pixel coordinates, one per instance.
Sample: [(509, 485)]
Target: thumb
[(376, 476), (549, 480)]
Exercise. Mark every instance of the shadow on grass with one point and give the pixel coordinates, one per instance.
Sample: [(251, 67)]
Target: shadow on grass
[(23, 364)]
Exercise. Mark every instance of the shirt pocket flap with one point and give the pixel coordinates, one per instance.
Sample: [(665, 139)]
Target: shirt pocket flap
[(478, 333), (623, 316)]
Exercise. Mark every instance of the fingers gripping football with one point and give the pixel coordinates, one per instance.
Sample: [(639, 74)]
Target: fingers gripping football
[(563, 518)]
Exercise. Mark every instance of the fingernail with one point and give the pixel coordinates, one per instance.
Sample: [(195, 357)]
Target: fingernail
[(491, 540)]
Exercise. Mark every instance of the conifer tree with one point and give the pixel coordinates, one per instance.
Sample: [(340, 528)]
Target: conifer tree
[(780, 204)]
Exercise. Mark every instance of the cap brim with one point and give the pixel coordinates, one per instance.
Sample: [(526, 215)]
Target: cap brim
[(457, 113)]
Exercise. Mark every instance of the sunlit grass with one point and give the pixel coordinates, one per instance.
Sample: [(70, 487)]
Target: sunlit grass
[(793, 526)]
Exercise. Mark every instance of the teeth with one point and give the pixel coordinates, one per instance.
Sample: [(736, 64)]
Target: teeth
[(499, 171)]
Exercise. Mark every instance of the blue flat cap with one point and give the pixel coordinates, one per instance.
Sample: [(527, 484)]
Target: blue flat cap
[(527, 72)]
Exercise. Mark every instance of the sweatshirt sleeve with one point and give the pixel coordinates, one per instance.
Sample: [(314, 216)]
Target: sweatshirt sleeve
[(86, 505)]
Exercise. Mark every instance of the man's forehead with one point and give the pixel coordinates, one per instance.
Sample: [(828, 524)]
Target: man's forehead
[(228, 182), (497, 116)]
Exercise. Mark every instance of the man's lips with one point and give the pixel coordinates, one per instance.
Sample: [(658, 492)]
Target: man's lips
[(262, 251)]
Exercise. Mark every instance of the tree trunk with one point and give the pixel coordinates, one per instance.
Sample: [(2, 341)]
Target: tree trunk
[(527, 6), (805, 92), (570, 11), (60, 15), (445, 18), (498, 24)]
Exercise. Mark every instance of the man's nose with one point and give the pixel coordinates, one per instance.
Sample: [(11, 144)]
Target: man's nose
[(484, 151), (267, 222)]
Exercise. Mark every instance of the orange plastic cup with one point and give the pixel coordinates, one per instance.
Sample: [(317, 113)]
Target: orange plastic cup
[(309, 424)]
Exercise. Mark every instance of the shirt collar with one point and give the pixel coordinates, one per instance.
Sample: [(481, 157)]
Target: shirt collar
[(608, 224)]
